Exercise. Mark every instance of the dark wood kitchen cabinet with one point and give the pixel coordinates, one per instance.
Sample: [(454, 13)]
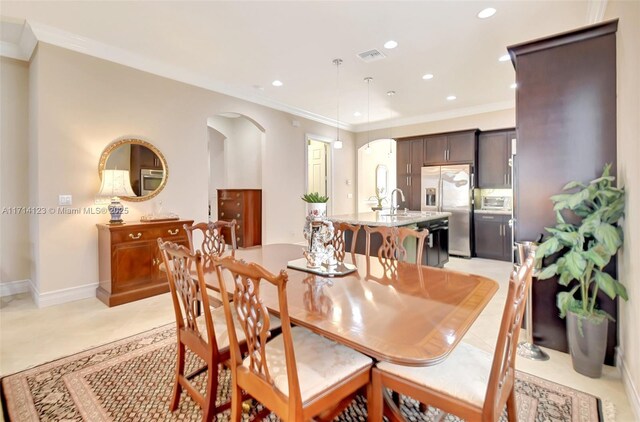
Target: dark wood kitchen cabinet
[(451, 148), (409, 162), (244, 206), (129, 259), (493, 236), (494, 153)]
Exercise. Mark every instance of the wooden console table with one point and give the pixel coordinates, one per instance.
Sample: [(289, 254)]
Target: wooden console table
[(129, 259)]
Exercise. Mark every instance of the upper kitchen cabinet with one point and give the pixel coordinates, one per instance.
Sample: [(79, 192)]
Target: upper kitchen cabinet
[(409, 160), (494, 152), (450, 148)]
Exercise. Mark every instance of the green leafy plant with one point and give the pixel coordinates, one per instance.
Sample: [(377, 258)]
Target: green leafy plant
[(587, 245), (380, 197), (314, 197)]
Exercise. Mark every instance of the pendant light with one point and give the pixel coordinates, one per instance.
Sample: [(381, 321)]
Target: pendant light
[(368, 79), (390, 94), (337, 144)]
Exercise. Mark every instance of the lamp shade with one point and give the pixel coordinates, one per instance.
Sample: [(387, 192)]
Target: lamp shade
[(116, 183)]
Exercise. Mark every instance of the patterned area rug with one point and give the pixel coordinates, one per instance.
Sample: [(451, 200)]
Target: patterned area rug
[(131, 380)]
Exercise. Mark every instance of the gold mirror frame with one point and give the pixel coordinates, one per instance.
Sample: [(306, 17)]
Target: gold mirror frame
[(132, 141)]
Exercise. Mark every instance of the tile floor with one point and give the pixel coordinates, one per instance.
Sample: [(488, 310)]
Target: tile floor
[(30, 336)]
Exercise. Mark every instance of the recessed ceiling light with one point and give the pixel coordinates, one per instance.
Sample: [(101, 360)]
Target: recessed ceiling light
[(513, 85), (504, 58), (390, 44), (276, 83), (486, 13), (451, 97), (357, 114), (427, 76)]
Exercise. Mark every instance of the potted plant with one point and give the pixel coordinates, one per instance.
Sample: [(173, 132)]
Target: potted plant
[(316, 205), (587, 235), (379, 198)]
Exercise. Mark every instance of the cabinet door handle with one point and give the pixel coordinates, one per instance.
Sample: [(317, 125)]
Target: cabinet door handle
[(410, 167), (222, 203), (222, 214), (430, 240), (237, 204), (155, 261), (238, 215), (445, 155), (135, 236), (407, 167), (173, 232)]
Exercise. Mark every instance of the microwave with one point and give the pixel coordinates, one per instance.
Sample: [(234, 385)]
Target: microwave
[(496, 203), (150, 180)]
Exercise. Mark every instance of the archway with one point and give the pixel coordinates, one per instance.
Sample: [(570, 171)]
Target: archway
[(381, 152), (236, 152)]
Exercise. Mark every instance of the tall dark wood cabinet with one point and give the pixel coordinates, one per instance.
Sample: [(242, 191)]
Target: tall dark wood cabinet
[(129, 259), (566, 130), (244, 206), (409, 162)]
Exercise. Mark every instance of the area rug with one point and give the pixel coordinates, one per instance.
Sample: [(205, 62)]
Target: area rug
[(131, 380)]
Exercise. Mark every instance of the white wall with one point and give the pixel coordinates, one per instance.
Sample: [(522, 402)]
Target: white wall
[(80, 104), (14, 133), (243, 155), (367, 164), (628, 157), (216, 168)]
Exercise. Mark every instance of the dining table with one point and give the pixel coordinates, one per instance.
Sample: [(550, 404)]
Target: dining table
[(393, 311)]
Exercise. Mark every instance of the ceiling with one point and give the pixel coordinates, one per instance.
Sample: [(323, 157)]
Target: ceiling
[(240, 47)]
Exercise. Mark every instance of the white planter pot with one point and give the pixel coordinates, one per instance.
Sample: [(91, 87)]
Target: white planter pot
[(317, 211)]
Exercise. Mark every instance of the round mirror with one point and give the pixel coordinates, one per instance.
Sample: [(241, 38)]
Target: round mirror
[(148, 171)]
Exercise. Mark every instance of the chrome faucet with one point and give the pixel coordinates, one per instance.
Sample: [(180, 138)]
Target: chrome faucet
[(394, 208)]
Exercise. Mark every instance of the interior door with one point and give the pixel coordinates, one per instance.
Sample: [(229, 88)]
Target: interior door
[(317, 152)]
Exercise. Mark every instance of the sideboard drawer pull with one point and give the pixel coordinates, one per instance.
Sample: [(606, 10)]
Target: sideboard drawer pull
[(222, 214), (238, 215), (135, 236), (173, 232)]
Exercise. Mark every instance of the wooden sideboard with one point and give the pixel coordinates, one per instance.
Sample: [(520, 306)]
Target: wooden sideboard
[(129, 259), (244, 206)]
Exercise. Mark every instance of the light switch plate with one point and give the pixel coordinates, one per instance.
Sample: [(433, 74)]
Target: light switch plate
[(64, 200), (350, 195)]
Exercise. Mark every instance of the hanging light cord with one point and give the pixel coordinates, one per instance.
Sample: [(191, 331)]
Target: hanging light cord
[(368, 79), (338, 62)]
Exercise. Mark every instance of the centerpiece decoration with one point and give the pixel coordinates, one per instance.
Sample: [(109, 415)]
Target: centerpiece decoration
[(320, 253), (584, 241), (318, 232)]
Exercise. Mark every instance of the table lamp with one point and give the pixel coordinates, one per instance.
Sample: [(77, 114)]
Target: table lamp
[(115, 183)]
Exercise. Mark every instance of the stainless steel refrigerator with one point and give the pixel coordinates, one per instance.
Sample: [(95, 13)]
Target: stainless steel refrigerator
[(450, 189)]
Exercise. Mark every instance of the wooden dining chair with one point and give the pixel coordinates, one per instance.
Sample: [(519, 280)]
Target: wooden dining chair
[(392, 246), (296, 375), (469, 383), (213, 242), (203, 333), (339, 241)]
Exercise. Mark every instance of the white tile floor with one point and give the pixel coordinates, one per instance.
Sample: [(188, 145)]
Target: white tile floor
[(30, 336)]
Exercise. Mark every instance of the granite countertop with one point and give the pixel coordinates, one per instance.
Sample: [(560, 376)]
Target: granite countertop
[(497, 212), (381, 218)]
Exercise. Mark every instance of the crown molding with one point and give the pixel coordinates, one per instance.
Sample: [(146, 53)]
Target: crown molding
[(432, 117), (595, 11), (34, 32), (90, 47), (23, 48)]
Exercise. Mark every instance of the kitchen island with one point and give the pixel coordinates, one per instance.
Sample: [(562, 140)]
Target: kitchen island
[(436, 248)]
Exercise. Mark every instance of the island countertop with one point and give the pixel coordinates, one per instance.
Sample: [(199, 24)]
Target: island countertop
[(382, 218)]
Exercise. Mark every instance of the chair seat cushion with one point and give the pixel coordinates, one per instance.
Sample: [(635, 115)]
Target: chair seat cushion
[(321, 363), (464, 374), (220, 326)]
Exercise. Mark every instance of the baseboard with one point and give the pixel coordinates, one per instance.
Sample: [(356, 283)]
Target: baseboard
[(58, 297), (10, 288), (629, 386)]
